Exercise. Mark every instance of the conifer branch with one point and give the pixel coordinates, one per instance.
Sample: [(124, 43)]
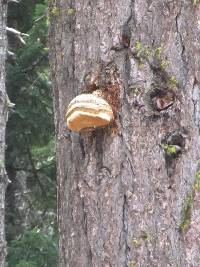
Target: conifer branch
[(18, 34)]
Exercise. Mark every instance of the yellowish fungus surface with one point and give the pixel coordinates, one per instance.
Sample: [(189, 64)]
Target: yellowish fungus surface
[(87, 112)]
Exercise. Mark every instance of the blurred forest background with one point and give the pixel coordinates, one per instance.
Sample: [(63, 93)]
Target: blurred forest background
[(31, 229)]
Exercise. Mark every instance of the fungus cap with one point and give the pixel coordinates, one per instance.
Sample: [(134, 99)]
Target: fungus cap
[(87, 112)]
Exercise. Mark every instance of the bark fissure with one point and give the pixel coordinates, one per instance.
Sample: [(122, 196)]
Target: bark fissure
[(86, 228), (128, 153), (125, 230), (180, 35)]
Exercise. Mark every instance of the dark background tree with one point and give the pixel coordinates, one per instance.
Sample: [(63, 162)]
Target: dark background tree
[(30, 161), (4, 105), (129, 195)]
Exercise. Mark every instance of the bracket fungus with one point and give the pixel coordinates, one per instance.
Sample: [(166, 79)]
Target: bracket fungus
[(88, 111)]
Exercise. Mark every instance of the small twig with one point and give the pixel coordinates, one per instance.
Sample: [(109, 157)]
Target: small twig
[(40, 18), (18, 34), (33, 64), (35, 171), (13, 1), (11, 57)]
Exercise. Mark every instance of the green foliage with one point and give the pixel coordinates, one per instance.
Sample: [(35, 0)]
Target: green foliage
[(29, 87), (173, 82), (30, 140), (184, 226), (170, 149), (136, 242), (24, 11), (44, 159), (164, 64), (26, 264), (187, 213), (71, 11), (132, 263), (141, 52), (144, 54), (195, 2), (33, 249), (158, 52), (196, 185), (55, 11), (138, 48)]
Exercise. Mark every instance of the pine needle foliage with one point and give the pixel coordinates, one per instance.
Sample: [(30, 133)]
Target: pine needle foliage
[(30, 140)]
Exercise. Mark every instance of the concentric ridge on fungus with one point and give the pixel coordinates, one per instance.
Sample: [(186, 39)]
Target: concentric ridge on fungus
[(87, 112)]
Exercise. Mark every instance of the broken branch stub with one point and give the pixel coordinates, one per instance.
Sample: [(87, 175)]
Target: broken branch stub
[(86, 112)]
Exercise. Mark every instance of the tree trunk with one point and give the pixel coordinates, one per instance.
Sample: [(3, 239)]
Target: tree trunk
[(3, 119), (129, 194)]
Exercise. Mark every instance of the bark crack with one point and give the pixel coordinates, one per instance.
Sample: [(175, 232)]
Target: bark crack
[(180, 35), (132, 12), (128, 153), (85, 229), (125, 230)]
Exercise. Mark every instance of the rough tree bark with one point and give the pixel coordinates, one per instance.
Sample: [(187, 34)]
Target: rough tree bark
[(129, 196), (3, 119)]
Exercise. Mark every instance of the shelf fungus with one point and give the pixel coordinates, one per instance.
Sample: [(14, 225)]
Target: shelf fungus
[(86, 112)]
